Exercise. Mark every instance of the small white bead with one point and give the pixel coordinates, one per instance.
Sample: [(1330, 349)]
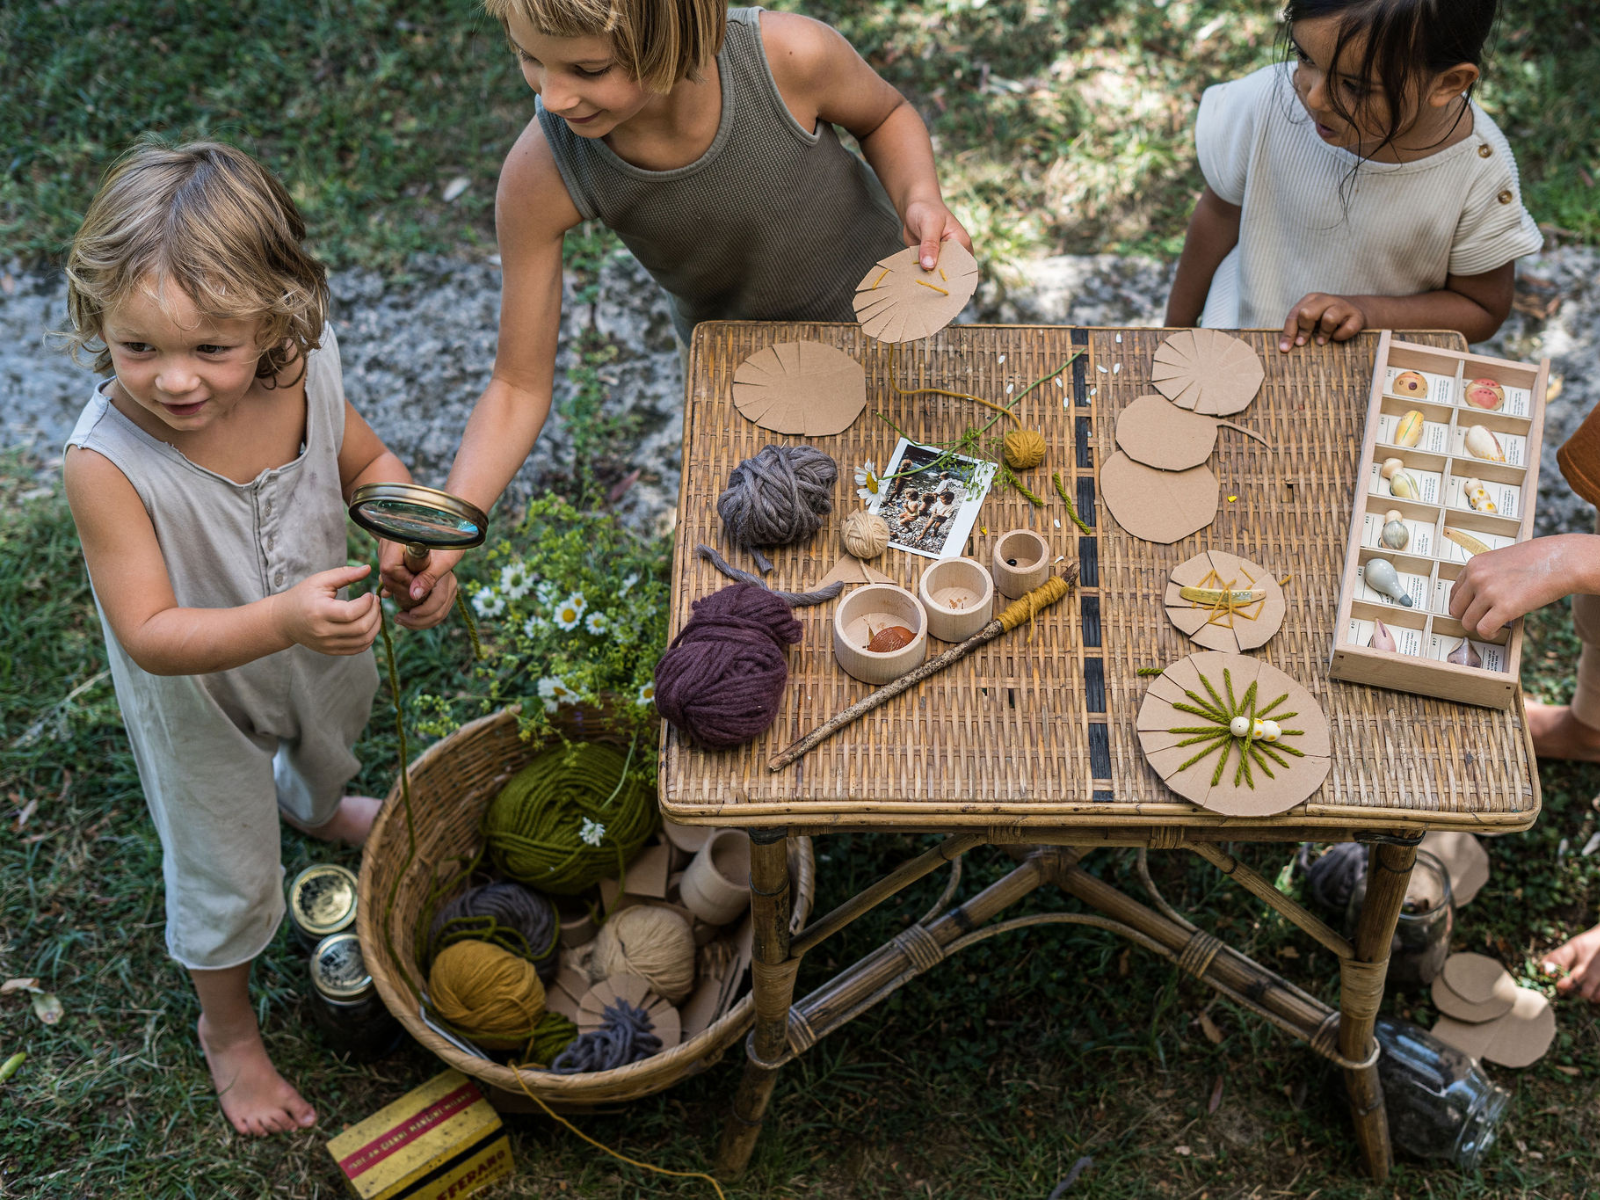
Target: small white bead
[(1239, 727)]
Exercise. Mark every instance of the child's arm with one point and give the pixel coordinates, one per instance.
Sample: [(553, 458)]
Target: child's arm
[(532, 213), (130, 578), (821, 77), (1476, 305), (1497, 587), (1213, 232), (363, 458)]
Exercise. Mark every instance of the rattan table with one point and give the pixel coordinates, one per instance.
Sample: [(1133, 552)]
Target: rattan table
[(1029, 743)]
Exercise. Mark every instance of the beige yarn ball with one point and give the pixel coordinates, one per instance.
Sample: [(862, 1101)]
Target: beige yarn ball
[(1024, 448), (655, 944), (865, 534)]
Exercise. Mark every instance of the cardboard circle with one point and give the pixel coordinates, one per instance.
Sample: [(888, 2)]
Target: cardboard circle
[(1518, 1039), (1206, 370), (1249, 626), (664, 1020), (1452, 1005), (897, 301), (1165, 752), (1465, 861), (1154, 431), (1478, 979), (1158, 506), (803, 388)]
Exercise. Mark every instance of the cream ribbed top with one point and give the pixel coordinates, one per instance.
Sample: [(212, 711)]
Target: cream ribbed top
[(1396, 229)]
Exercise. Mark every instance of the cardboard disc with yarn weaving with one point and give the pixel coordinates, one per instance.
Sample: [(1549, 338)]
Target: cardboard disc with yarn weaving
[(664, 1020), (1211, 372), (1230, 625), (800, 387), (1195, 753), (897, 301)]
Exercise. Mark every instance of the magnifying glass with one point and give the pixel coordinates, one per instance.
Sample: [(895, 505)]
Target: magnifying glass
[(420, 518)]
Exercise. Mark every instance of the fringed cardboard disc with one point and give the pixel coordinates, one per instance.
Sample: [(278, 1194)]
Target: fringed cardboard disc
[(1213, 373), (803, 388), (664, 1020), (1234, 621), (897, 301)]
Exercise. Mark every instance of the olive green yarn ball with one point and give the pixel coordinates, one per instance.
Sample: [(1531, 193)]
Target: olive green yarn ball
[(534, 829)]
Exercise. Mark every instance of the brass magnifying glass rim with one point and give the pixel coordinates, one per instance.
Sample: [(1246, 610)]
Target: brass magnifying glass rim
[(423, 497)]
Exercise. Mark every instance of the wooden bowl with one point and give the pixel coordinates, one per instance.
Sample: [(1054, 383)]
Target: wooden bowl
[(959, 597), (867, 610), (1021, 562)]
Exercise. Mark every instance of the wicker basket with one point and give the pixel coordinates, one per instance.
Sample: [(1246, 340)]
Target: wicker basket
[(451, 784)]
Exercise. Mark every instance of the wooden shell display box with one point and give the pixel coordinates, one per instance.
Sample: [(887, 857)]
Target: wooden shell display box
[(1466, 432)]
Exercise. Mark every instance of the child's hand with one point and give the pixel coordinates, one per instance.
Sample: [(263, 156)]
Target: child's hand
[(411, 590), (1499, 586), (435, 606), (1318, 314), (929, 222), (311, 614)]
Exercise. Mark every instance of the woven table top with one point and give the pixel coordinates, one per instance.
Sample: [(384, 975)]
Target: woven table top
[(1036, 729)]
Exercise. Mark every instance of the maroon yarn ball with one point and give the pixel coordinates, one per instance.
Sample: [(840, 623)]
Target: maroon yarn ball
[(722, 679)]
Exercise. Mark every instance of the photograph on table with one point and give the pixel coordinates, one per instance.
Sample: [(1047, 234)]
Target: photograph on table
[(932, 498)]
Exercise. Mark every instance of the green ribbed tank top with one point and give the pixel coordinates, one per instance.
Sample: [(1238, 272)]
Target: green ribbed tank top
[(772, 223)]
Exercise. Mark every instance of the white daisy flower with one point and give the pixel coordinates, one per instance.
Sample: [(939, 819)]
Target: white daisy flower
[(554, 693), (486, 603), (591, 832), (569, 612), (868, 485), (595, 622), (627, 584), (647, 694), (546, 592), (516, 580), (534, 626)]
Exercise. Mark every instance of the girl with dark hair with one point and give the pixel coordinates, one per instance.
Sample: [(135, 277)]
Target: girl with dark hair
[(1356, 185)]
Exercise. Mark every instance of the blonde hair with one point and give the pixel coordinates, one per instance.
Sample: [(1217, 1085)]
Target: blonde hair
[(211, 220), (659, 42)]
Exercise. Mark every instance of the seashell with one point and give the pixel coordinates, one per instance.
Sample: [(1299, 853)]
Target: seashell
[(1239, 727), (1409, 383), (1382, 578), (1271, 731), (1403, 485), (890, 637), (1485, 394), (1396, 533), (1482, 444), (1464, 655), (1477, 496), (1382, 639), (1467, 542), (1409, 431)]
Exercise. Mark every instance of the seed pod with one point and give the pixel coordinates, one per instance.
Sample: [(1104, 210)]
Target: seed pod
[(1481, 443), (1409, 383), (1381, 638), (1467, 542), (1464, 655), (1396, 533), (1409, 431), (1485, 394), (1382, 578), (1477, 496), (1403, 485)]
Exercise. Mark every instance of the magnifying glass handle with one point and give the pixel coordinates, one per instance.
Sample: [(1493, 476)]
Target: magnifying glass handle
[(416, 558)]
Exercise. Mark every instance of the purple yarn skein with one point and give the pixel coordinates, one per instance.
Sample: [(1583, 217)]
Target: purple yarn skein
[(723, 677)]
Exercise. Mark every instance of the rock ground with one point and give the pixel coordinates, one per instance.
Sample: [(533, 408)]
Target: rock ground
[(417, 352)]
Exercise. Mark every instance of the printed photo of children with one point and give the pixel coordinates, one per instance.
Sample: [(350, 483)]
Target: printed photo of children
[(932, 499)]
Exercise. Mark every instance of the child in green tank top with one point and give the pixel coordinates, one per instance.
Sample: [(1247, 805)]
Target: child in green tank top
[(705, 138)]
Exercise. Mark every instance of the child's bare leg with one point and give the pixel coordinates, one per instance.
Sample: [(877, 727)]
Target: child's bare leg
[(349, 824), (1578, 961), (255, 1098), (1573, 731)]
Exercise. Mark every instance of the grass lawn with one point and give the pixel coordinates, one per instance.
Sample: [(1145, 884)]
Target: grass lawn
[(989, 1077), (1059, 126)]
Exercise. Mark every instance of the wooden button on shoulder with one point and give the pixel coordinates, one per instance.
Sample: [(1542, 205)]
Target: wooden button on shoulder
[(1504, 197), (1483, 150)]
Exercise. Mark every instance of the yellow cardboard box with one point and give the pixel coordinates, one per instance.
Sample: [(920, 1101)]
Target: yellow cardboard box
[(442, 1141)]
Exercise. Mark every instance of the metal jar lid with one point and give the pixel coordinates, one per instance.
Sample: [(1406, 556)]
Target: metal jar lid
[(322, 899), (337, 969)]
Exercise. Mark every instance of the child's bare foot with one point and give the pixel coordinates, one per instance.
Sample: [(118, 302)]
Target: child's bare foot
[(1558, 734), (1578, 961), (349, 825), (255, 1098)]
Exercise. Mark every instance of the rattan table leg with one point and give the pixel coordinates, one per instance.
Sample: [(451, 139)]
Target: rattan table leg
[(1361, 995), (772, 977)]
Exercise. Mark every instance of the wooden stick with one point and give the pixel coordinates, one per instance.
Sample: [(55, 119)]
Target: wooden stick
[(1023, 609)]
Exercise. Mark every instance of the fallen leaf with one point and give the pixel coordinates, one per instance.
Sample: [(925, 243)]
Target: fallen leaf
[(1216, 1096), (1209, 1028), (25, 812), (48, 1008), (18, 985), (1571, 1072), (1288, 952), (455, 187)]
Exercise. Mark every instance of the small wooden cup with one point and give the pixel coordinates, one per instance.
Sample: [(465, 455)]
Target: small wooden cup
[(867, 610), (716, 887), (578, 927), (1031, 555), (959, 597)]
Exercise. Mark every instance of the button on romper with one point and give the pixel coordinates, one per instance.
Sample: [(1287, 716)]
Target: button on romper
[(219, 754)]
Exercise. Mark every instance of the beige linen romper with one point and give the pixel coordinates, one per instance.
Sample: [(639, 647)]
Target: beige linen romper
[(219, 754)]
